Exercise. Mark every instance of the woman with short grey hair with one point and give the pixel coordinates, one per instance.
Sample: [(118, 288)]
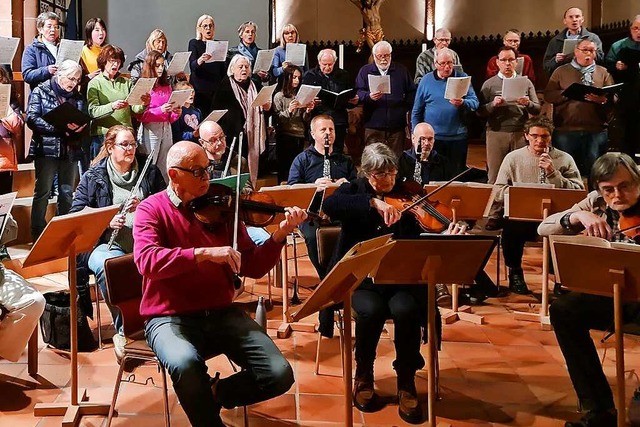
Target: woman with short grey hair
[(248, 47), (54, 151), (39, 58)]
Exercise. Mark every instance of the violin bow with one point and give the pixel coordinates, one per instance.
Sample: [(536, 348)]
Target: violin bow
[(236, 220), (226, 167), (425, 197)]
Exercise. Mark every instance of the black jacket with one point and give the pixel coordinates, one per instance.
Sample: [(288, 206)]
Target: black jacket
[(309, 166), (337, 81), (436, 168), (232, 122)]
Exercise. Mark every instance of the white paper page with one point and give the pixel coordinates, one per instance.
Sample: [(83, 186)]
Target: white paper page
[(142, 87), (569, 45), (214, 116), (69, 49), (178, 63), (307, 94), (264, 60), (8, 48), (296, 53), (514, 88), (519, 65), (179, 97), (5, 99), (6, 203), (457, 87), (218, 50), (265, 95), (380, 83), (533, 185)]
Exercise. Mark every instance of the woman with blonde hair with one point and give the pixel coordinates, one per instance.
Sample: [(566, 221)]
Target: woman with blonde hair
[(205, 76), (157, 41), (288, 34)]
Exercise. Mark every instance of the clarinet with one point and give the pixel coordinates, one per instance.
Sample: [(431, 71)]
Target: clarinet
[(542, 175), (326, 167), (132, 195), (417, 171)]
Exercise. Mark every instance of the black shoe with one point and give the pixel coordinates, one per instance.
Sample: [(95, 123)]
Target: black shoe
[(493, 224), (364, 395), (443, 297), (486, 285), (476, 295), (558, 290), (217, 407), (517, 284), (595, 419), (409, 407)]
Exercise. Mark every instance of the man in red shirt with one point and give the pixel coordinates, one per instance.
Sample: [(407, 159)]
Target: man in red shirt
[(188, 270)]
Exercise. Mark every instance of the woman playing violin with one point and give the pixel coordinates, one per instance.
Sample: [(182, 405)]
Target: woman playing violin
[(617, 181), (364, 215)]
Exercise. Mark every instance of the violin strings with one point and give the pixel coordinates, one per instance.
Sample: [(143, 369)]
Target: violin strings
[(433, 211)]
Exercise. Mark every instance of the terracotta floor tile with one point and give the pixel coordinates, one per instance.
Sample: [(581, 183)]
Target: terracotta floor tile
[(323, 408)]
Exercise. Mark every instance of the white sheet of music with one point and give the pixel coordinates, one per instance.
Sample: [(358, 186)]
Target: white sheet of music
[(179, 97), (307, 93), (218, 50), (457, 87), (142, 87), (69, 49), (5, 99), (264, 60), (178, 63), (264, 96), (214, 116), (379, 83), (519, 65), (514, 88), (8, 48), (296, 53), (569, 45)]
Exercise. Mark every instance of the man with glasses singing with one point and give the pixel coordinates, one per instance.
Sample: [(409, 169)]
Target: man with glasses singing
[(523, 66), (445, 115), (581, 125), (385, 114), (188, 269), (426, 60)]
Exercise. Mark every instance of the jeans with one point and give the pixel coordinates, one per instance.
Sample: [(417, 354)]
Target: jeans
[(455, 151), (46, 169), (96, 145), (584, 147), (572, 316), (96, 264), (156, 135), (183, 344)]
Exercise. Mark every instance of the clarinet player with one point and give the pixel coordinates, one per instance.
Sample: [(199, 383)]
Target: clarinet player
[(113, 174)]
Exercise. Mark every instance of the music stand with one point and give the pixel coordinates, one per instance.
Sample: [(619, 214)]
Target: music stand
[(64, 237), (613, 272), (468, 201), (337, 287), (535, 204), (289, 195)]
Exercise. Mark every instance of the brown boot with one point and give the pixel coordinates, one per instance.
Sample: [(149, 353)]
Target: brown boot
[(409, 407), (364, 395)]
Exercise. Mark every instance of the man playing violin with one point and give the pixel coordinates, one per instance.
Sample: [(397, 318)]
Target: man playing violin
[(360, 207), (188, 271), (540, 163), (617, 181)]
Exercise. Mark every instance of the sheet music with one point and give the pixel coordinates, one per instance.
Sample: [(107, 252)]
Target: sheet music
[(457, 87), (264, 96), (178, 63), (214, 116), (5, 99), (264, 60), (142, 87), (380, 83), (569, 45), (218, 50), (69, 49), (8, 48), (514, 88), (6, 203), (519, 65), (296, 53), (307, 93), (179, 97), (533, 185)]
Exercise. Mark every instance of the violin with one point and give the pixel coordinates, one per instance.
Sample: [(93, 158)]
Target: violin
[(630, 223)]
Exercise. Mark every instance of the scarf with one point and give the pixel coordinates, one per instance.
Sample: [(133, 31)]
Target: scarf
[(61, 94), (251, 52), (121, 186), (587, 72), (254, 127)]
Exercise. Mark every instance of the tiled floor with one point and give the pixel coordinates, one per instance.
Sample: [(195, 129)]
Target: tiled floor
[(505, 372)]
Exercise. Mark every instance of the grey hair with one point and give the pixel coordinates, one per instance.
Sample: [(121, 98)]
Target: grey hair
[(440, 52), (380, 44), (232, 64), (243, 27), (606, 165), (45, 16), (377, 157), (442, 31), (332, 53), (67, 68)]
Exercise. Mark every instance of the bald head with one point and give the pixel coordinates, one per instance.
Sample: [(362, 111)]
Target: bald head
[(209, 130), (184, 152), (213, 140), (424, 135)]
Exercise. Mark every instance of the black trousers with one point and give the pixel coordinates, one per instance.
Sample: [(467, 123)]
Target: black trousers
[(287, 148), (572, 316), (338, 143), (514, 235), (308, 230)]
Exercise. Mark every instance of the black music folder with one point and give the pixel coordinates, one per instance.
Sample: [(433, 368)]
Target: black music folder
[(631, 57), (334, 100), (65, 114), (577, 91)]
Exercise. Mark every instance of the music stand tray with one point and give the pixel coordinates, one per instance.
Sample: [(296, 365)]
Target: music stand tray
[(64, 237), (614, 271)]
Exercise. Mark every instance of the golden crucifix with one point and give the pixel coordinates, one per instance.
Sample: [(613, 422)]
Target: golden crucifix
[(372, 31)]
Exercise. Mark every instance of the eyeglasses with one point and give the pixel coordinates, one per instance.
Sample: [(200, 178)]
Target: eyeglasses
[(75, 80), (383, 56), (635, 28), (129, 146), (445, 64), (623, 187), (512, 41), (583, 50), (197, 172), (289, 32), (505, 60), (207, 26), (544, 137), (221, 138), (51, 27), (444, 40), (383, 175)]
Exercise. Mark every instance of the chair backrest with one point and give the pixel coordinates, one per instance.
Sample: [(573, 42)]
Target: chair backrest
[(124, 290), (327, 238)]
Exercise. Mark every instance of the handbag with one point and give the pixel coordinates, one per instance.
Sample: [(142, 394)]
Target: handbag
[(55, 326)]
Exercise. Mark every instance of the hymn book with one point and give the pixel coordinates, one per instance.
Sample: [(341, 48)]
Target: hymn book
[(335, 100), (577, 91)]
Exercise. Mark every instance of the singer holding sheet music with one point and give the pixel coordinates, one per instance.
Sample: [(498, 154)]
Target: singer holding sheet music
[(39, 58), (54, 151), (289, 34), (110, 179)]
